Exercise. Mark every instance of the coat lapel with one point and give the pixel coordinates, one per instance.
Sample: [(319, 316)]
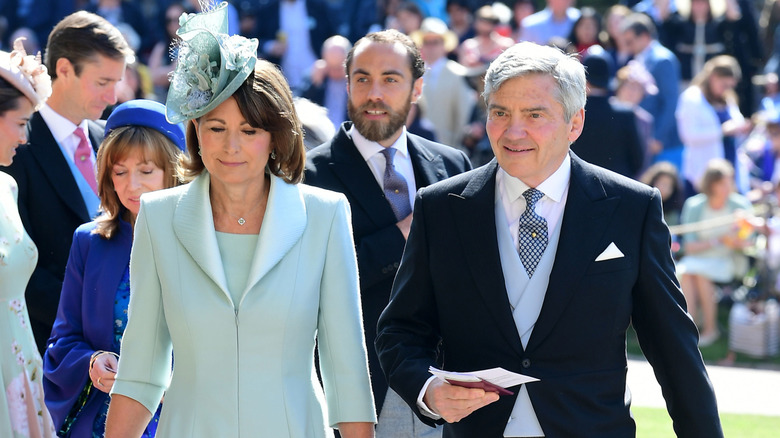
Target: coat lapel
[(428, 167), (49, 156), (283, 225), (358, 181), (476, 225), (585, 220), (193, 224)]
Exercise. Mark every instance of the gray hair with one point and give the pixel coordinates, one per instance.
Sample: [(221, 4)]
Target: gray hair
[(526, 58)]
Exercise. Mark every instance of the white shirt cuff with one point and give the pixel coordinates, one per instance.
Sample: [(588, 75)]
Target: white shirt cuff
[(420, 404)]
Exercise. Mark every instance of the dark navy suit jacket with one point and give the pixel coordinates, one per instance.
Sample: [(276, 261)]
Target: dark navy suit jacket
[(450, 298)]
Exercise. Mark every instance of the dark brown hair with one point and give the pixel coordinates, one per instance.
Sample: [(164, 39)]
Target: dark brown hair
[(266, 102), (80, 37), (392, 36), (723, 66), (9, 96), (118, 145)]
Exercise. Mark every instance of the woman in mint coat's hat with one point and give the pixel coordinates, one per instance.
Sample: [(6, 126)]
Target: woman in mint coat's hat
[(243, 270), (139, 154)]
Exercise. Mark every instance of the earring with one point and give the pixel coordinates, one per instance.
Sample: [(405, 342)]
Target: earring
[(273, 154), (199, 153)]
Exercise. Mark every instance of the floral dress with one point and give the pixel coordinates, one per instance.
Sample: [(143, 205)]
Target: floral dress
[(22, 410)]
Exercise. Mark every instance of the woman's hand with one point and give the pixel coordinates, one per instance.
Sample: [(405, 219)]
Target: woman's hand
[(102, 370)]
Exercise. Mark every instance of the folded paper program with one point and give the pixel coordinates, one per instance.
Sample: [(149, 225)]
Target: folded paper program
[(492, 380)]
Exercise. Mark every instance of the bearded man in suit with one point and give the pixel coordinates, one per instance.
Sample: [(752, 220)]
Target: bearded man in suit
[(85, 57), (366, 160), (538, 262)]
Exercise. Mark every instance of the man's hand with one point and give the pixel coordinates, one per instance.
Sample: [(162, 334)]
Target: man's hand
[(405, 225), (454, 403)]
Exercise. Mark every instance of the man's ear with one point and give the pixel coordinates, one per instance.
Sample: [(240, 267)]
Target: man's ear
[(577, 122), (65, 68), (417, 88)]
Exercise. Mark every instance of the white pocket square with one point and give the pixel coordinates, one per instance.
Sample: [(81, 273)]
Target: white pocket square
[(612, 252)]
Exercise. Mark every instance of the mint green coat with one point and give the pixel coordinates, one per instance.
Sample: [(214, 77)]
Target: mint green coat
[(246, 369)]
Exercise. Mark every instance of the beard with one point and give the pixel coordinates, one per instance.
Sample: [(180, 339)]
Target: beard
[(376, 130)]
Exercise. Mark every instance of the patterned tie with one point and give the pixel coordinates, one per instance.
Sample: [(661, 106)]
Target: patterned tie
[(396, 190), (532, 232), (83, 161)]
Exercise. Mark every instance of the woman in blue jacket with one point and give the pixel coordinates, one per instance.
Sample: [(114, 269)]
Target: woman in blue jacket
[(139, 154)]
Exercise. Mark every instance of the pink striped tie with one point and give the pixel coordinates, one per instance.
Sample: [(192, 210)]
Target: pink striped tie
[(83, 161)]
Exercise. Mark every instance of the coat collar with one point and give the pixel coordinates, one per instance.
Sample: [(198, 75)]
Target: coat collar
[(283, 225)]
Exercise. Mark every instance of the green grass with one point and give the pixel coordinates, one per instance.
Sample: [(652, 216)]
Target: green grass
[(655, 423)]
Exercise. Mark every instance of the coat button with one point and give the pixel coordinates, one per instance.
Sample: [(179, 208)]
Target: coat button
[(526, 363)]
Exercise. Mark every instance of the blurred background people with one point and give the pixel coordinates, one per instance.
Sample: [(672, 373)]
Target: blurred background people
[(326, 85), (665, 177), (291, 34), (24, 86), (162, 60), (554, 21), (709, 120), (632, 83), (585, 32), (86, 58), (211, 266), (617, 148), (639, 35), (487, 43), (612, 35), (711, 253), (447, 99), (139, 155)]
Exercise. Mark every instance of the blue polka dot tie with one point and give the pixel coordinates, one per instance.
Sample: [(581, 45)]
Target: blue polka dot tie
[(532, 232), (396, 189)]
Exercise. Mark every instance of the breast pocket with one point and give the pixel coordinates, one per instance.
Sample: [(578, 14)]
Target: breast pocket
[(611, 265)]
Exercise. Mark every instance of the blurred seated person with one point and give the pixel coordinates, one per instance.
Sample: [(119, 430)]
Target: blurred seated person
[(487, 43), (138, 155), (327, 83), (461, 19), (712, 251), (664, 176)]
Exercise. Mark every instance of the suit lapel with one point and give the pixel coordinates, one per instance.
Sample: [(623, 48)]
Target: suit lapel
[(283, 225), (54, 166), (193, 224), (585, 220), (475, 221), (358, 181), (428, 167)]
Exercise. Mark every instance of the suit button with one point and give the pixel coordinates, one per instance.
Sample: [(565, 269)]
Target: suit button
[(395, 265), (526, 363)]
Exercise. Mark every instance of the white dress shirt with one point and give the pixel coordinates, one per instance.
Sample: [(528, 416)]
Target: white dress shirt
[(63, 130), (372, 153)]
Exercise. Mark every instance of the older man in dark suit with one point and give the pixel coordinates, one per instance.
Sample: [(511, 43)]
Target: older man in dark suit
[(378, 166), (538, 262), (85, 57)]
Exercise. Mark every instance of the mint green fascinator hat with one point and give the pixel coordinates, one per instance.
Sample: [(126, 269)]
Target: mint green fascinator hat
[(211, 64)]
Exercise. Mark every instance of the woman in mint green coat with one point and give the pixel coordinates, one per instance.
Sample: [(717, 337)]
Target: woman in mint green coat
[(241, 271)]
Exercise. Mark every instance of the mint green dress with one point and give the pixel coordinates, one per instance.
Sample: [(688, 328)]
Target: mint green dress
[(22, 410)]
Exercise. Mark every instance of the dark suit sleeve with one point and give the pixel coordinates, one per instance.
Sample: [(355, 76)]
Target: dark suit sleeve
[(408, 337), (634, 150), (65, 363), (668, 336)]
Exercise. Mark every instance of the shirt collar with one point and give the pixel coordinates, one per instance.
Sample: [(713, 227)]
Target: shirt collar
[(60, 127), (554, 187), (368, 148)]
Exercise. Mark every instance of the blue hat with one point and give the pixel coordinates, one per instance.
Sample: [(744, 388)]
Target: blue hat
[(148, 113)]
